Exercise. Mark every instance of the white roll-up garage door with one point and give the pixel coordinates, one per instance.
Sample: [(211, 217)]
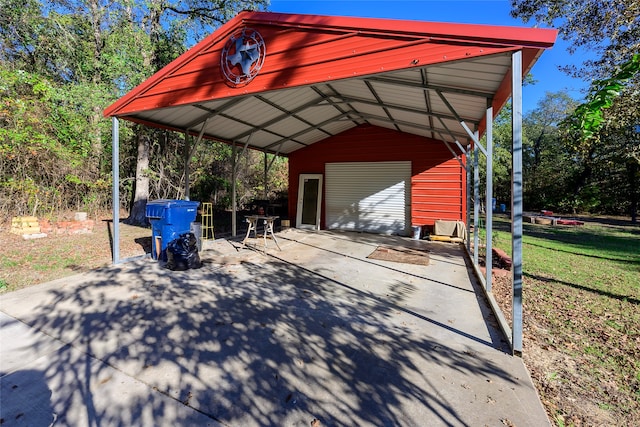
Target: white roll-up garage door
[(368, 196)]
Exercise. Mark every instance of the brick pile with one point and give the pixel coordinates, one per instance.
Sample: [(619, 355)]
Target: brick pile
[(30, 227)]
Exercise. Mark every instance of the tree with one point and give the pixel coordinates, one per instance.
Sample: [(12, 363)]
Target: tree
[(603, 131), (162, 20), (608, 29), (548, 164), (61, 63)]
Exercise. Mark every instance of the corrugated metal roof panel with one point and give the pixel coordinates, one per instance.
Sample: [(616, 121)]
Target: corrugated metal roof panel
[(312, 136), (254, 111), (319, 113), (226, 129), (353, 88), (408, 96), (291, 99), (263, 139), (465, 78), (289, 146), (381, 123), (376, 110), (339, 126), (288, 126)]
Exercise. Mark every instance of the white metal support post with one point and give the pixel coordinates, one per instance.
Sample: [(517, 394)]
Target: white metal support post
[(468, 155), (234, 176), (187, 161), (489, 200), (234, 173), (516, 200), (265, 177), (115, 197), (476, 200), (189, 151)]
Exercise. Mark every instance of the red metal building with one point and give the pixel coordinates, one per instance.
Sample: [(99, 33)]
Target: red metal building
[(334, 90), (377, 160), (381, 119)]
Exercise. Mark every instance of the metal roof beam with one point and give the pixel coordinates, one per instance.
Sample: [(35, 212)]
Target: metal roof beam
[(423, 86), (253, 129), (380, 102), (293, 113), (332, 102), (471, 134), (287, 114), (302, 132), (444, 125), (212, 113), (410, 124), (351, 99), (427, 97)]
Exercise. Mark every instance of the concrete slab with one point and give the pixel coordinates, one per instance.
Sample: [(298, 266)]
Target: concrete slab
[(315, 331), (58, 384)]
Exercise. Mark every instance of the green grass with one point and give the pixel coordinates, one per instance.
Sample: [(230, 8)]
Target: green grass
[(582, 290)]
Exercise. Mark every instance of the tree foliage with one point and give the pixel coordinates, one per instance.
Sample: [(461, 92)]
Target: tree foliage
[(603, 133), (609, 30), (61, 63), (43, 148), (589, 117)]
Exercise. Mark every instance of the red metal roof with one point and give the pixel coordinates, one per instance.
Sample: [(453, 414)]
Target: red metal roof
[(322, 75)]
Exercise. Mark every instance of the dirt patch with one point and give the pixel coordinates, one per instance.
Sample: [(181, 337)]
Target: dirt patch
[(29, 262), (400, 254), (576, 388)]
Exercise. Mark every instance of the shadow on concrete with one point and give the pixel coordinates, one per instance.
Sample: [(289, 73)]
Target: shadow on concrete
[(259, 343), (27, 395)]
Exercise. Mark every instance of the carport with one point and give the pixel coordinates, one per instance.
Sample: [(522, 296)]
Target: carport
[(282, 83)]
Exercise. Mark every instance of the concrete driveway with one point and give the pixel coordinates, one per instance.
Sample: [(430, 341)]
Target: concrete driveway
[(316, 334)]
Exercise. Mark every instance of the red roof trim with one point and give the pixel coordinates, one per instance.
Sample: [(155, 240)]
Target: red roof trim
[(525, 37)]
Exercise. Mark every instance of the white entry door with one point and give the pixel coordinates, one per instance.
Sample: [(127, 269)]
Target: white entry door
[(309, 201)]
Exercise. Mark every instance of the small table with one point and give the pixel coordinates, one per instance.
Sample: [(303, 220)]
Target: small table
[(268, 228)]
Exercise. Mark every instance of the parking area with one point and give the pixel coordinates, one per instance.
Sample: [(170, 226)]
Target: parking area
[(315, 331)]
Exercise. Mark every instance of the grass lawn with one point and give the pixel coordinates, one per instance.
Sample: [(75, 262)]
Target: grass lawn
[(582, 319)]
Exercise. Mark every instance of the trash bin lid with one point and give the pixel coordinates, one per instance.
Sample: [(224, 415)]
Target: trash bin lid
[(157, 208)]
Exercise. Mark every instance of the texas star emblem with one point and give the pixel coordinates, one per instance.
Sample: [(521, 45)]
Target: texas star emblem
[(242, 57)]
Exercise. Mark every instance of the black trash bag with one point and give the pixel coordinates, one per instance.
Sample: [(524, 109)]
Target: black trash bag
[(182, 253)]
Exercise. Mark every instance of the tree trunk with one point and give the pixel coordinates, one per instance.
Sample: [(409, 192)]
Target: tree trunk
[(138, 214)]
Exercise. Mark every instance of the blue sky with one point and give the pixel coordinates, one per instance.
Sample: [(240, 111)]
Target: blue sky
[(492, 12)]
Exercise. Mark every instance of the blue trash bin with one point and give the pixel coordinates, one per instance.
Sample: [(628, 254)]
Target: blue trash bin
[(169, 219)]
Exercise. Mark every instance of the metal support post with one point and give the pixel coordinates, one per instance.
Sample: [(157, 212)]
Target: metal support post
[(189, 151), (266, 178), (516, 200), (468, 155), (234, 176), (489, 200), (234, 172), (115, 198), (187, 160), (476, 201)]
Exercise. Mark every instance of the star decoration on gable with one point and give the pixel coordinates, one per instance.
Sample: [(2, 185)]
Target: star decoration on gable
[(242, 57)]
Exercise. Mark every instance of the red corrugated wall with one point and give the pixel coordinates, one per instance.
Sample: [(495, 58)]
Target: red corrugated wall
[(438, 182)]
